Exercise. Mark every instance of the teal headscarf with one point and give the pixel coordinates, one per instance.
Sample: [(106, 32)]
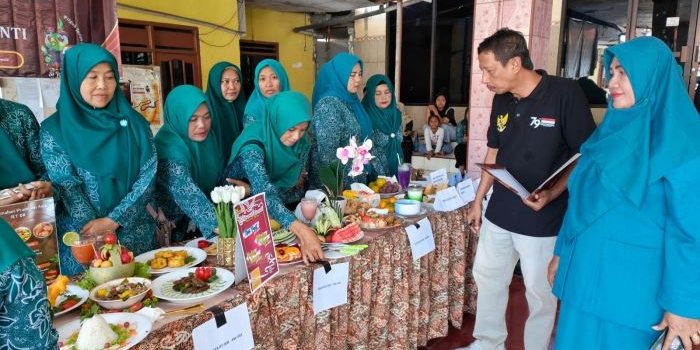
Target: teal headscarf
[(635, 147), (227, 117), (333, 79), (13, 167), (13, 247), (256, 103), (282, 112), (386, 121), (113, 142), (205, 158)]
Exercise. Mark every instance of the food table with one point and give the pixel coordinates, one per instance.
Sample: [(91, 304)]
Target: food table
[(394, 302)]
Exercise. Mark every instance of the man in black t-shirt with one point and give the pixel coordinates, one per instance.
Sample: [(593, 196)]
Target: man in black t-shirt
[(537, 123)]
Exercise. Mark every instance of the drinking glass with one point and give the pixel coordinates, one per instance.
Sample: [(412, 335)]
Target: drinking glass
[(84, 251), (404, 175), (308, 208)]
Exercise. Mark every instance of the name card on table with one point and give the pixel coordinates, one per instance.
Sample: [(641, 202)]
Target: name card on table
[(466, 190), (331, 288), (447, 200), (438, 177), (420, 236), (255, 234), (234, 333)]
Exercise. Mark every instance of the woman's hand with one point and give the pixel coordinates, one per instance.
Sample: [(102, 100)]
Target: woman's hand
[(43, 189), (552, 269), (98, 226), (308, 242), (687, 329), (240, 183), (21, 193)]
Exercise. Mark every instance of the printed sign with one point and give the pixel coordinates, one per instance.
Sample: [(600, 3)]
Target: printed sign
[(257, 245)]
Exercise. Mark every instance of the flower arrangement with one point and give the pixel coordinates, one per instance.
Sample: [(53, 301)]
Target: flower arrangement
[(224, 197), (332, 177)]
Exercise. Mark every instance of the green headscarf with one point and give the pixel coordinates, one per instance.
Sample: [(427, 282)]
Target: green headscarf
[(13, 247), (204, 158), (332, 80), (635, 147), (282, 112), (386, 121), (227, 117), (112, 143), (13, 167), (256, 103)]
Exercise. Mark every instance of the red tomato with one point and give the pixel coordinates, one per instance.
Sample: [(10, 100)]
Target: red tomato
[(110, 238), (68, 304), (202, 273), (136, 307), (201, 244)]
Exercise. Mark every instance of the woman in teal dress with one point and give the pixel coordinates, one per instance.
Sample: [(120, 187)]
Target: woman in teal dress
[(270, 79), (338, 115), (380, 103), (21, 160), (99, 154), (226, 101), (25, 318), (189, 163), (271, 156), (626, 258)]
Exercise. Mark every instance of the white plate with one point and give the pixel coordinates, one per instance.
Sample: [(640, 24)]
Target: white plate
[(198, 255), (194, 244), (74, 290), (163, 286), (140, 322)]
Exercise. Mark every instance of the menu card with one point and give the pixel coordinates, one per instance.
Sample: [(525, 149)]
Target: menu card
[(35, 222), (421, 238), (229, 330), (438, 177), (331, 288), (257, 245)]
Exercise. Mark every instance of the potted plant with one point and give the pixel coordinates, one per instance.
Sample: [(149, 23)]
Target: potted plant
[(331, 175)]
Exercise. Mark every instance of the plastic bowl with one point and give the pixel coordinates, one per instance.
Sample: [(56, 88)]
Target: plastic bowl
[(118, 303), (407, 207), (104, 274)]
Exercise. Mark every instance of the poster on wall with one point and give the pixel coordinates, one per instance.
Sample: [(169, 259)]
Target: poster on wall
[(144, 92), (34, 35)]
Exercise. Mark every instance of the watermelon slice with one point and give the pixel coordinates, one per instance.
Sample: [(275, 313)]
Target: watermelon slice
[(347, 234)]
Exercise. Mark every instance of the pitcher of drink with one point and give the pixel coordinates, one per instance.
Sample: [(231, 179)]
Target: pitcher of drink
[(404, 175)]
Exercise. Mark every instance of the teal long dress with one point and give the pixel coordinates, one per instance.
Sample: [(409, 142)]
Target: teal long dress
[(19, 145), (227, 117), (630, 238), (386, 123)]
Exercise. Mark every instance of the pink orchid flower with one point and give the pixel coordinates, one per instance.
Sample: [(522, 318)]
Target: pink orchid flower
[(345, 153), (357, 167)]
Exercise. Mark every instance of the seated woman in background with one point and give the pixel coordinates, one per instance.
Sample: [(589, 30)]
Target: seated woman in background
[(100, 155), (271, 156), (21, 160), (189, 163), (380, 104), (226, 101), (441, 108), (24, 307), (270, 78), (338, 115), (434, 137), (462, 143)]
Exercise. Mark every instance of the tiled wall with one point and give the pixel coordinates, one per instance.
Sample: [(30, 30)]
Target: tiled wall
[(533, 19)]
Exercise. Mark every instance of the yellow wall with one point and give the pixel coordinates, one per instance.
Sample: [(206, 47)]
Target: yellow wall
[(295, 50), (214, 45)]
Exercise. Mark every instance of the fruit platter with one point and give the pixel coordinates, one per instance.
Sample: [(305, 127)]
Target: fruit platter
[(288, 254)]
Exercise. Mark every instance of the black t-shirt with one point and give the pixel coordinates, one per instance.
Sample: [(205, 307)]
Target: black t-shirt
[(535, 136)]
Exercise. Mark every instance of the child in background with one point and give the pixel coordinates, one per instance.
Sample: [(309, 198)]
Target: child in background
[(434, 137)]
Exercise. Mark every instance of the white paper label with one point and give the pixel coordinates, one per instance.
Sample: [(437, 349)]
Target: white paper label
[(466, 190), (448, 200), (420, 235), (438, 177), (331, 289), (235, 334)]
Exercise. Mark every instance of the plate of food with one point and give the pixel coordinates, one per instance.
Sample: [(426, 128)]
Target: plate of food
[(283, 236), (349, 233), (372, 221), (203, 244), (111, 331), (24, 232), (43, 229), (71, 299), (288, 254), (192, 285), (171, 259)]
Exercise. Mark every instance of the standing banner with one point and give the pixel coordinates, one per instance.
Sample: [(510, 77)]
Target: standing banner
[(35, 222), (34, 34), (255, 235)]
